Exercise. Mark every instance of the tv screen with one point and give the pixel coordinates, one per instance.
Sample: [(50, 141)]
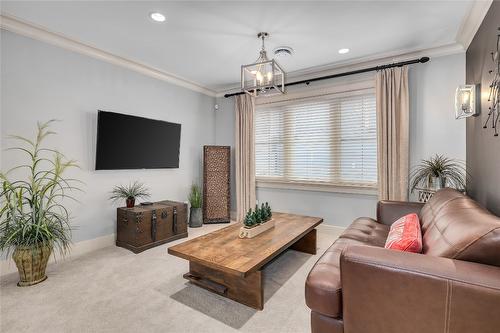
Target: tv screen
[(129, 142)]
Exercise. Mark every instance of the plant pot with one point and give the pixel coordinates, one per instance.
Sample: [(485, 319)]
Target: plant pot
[(130, 202), (195, 217), (31, 263), (437, 183), (251, 232)]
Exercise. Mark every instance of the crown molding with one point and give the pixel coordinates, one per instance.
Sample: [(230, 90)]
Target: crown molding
[(378, 59), (472, 21), (468, 28), (15, 25), (362, 62)]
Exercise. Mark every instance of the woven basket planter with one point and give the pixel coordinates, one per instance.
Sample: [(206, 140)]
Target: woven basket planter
[(31, 263)]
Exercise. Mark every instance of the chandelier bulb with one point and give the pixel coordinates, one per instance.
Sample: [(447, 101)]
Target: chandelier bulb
[(269, 76)]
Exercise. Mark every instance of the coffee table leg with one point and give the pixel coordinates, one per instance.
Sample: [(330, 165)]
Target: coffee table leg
[(307, 243), (247, 290)]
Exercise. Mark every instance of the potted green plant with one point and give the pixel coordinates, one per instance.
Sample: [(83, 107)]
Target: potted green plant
[(438, 172), (257, 221), (257, 215), (130, 193), (33, 219), (195, 213), (249, 220)]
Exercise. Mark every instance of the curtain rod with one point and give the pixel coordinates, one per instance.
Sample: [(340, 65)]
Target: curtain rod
[(359, 71)]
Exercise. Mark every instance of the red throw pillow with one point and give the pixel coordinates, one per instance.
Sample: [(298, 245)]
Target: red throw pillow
[(405, 235)]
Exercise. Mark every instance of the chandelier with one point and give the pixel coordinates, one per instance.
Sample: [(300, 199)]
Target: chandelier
[(264, 77)]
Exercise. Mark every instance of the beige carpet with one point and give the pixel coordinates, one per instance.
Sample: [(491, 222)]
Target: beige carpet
[(114, 290)]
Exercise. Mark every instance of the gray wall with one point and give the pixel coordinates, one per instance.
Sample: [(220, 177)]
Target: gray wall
[(483, 149), (224, 136), (42, 82), (433, 129)]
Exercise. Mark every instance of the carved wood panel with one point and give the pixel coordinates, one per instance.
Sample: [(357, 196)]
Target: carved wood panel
[(216, 184)]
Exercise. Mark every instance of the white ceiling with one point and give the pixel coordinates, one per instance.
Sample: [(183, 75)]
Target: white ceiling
[(207, 42)]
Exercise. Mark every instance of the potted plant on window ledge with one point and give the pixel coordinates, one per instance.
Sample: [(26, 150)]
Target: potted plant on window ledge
[(33, 219)]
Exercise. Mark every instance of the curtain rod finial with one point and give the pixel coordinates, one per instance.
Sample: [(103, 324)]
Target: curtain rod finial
[(424, 59)]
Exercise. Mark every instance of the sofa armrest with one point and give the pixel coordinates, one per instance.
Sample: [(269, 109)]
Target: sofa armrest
[(392, 291), (390, 211)]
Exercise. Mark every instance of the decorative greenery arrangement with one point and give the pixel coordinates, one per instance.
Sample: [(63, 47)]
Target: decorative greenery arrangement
[(195, 198), (32, 214), (441, 169), (131, 191), (258, 216)]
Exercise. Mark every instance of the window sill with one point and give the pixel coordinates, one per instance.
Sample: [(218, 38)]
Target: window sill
[(366, 190)]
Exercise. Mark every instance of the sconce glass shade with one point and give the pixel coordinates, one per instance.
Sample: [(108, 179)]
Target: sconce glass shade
[(465, 101), (264, 78)]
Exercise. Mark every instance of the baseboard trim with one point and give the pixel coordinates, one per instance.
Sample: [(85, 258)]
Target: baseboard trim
[(329, 227), (7, 266)]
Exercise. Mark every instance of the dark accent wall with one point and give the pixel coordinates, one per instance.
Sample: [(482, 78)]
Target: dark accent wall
[(483, 149)]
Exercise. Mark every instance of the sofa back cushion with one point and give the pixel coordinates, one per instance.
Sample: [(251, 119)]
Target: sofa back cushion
[(431, 209), (455, 226)]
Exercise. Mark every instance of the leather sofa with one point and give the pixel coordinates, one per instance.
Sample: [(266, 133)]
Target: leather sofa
[(358, 286)]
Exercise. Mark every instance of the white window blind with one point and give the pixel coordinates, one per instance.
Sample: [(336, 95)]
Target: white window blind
[(328, 139)]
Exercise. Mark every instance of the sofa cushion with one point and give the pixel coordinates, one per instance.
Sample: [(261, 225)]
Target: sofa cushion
[(323, 286), (405, 235), (368, 231), (463, 230), (431, 209)]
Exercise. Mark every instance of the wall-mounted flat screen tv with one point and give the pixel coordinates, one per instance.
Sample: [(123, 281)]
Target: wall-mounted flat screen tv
[(129, 142)]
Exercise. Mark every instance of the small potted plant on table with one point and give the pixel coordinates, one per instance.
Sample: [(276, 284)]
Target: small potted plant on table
[(195, 213), (33, 219), (256, 222), (130, 193)]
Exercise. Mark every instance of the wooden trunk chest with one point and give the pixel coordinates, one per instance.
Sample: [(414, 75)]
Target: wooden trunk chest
[(143, 227)]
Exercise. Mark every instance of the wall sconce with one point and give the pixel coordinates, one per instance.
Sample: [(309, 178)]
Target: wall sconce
[(465, 101)]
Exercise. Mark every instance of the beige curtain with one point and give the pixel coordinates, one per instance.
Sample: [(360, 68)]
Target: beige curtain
[(392, 133), (245, 155)]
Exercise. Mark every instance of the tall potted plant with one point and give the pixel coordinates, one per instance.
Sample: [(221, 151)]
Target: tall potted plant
[(195, 213), (33, 219), (129, 193), (438, 172)]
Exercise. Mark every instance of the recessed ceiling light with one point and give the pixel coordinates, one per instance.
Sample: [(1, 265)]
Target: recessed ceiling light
[(158, 17), (344, 51)]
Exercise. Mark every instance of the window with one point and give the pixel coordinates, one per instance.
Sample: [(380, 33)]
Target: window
[(330, 139)]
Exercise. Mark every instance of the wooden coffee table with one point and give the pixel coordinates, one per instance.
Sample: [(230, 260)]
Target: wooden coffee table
[(232, 267)]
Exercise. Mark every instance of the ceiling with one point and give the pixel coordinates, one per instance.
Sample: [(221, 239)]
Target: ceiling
[(206, 42)]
